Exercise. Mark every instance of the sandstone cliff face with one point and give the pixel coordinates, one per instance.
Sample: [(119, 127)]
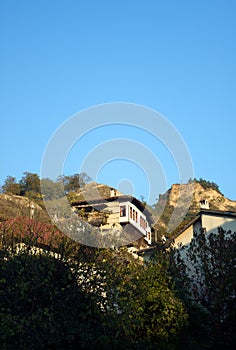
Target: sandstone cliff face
[(180, 193), (182, 201)]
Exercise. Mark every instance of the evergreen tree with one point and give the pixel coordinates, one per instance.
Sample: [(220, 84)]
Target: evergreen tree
[(11, 186)]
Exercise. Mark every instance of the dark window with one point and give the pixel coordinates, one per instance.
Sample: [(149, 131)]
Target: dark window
[(123, 210), (143, 223)]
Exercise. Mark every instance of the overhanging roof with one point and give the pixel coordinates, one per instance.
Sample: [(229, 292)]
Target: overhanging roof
[(120, 199)]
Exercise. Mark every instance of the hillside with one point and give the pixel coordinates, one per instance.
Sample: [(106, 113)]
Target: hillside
[(180, 203), (172, 211), (12, 206), (93, 191), (183, 200)]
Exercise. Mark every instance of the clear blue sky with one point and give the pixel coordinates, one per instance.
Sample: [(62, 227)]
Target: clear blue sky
[(176, 57)]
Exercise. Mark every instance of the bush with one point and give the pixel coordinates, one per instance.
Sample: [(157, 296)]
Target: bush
[(40, 303), (208, 185)]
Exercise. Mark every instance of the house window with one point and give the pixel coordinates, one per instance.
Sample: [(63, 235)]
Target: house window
[(123, 210), (130, 212), (148, 236), (142, 222), (136, 217), (133, 214)]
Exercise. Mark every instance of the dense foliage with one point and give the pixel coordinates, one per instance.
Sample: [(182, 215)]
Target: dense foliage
[(30, 186), (40, 303), (205, 274), (206, 184), (56, 294)]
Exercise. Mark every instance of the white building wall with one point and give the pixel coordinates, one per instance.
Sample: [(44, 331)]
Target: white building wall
[(211, 223), (136, 223), (208, 222), (185, 237)]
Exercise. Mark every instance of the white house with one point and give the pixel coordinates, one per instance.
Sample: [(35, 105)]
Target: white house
[(107, 208), (134, 213), (208, 221)]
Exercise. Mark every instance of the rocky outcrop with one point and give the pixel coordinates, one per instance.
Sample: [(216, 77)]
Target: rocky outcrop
[(181, 203), (12, 206)]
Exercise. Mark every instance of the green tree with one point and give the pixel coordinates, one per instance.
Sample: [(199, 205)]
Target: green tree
[(142, 304), (30, 186), (41, 306), (208, 274), (86, 298), (73, 183), (11, 186), (48, 302), (51, 190)]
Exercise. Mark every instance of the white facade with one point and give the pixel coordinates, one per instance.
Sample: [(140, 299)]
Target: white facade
[(129, 213), (117, 212), (209, 221)]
